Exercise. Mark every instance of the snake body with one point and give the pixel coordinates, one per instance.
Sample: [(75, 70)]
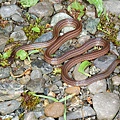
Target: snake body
[(75, 56)]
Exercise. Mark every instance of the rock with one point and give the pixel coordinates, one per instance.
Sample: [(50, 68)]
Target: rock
[(97, 87), (78, 114), (24, 80), (36, 73), (91, 25), (7, 11), (116, 80), (17, 18), (9, 28), (45, 37), (113, 49), (9, 106), (112, 6), (83, 38), (3, 40), (44, 66), (118, 36), (49, 118), (57, 17), (104, 62), (54, 110), (39, 113), (45, 20), (4, 72), (90, 11), (36, 85), (106, 105), (18, 35), (30, 116), (41, 9), (73, 90), (77, 75), (57, 7), (10, 90)]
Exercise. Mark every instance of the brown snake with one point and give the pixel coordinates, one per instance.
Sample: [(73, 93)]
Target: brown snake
[(75, 56)]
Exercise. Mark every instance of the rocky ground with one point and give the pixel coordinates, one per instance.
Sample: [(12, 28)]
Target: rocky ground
[(25, 84)]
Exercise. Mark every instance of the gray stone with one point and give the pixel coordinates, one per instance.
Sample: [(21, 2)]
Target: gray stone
[(36, 73), (9, 106), (42, 9), (30, 116), (90, 11), (45, 37), (18, 35), (91, 25), (116, 80), (17, 18), (97, 87), (60, 16), (49, 118), (4, 72), (36, 85), (9, 28), (10, 90), (104, 62), (3, 40), (113, 49), (112, 6), (57, 17), (7, 11), (88, 111), (106, 105), (46, 68), (118, 36), (58, 7)]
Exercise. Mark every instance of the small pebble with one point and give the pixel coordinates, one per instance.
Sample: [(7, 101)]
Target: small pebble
[(54, 110), (73, 90), (36, 85), (116, 80), (36, 73), (30, 116)]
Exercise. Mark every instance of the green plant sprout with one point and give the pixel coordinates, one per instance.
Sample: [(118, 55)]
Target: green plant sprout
[(77, 7), (36, 29), (99, 6), (4, 57), (22, 54), (83, 66), (28, 3)]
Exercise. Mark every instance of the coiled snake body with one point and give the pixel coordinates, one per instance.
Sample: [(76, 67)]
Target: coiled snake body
[(75, 56)]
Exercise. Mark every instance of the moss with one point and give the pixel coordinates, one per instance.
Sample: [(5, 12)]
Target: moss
[(31, 34), (11, 40), (29, 101), (107, 26)]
